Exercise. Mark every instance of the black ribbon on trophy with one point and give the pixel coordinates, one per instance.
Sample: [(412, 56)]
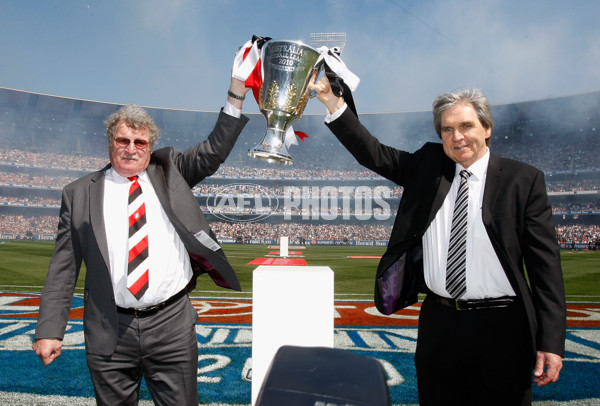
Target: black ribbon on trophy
[(338, 85), (278, 72)]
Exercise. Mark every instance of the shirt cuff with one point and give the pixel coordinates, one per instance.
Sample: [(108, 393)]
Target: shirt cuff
[(231, 110), (330, 117)]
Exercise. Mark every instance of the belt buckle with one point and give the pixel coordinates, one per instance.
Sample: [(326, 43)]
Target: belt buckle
[(502, 302), (146, 311), (483, 303), (462, 305)]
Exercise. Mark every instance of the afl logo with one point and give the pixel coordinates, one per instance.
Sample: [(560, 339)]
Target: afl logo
[(242, 202)]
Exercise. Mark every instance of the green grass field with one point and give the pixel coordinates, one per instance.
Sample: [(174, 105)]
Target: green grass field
[(23, 266)]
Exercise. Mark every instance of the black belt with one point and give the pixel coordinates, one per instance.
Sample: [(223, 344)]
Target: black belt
[(149, 311), (474, 304)]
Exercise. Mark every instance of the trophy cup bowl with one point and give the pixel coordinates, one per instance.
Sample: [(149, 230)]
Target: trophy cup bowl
[(287, 69)]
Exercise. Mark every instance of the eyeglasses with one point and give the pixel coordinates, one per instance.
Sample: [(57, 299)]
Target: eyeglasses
[(138, 143)]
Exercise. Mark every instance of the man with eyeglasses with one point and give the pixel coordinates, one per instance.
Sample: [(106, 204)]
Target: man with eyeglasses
[(144, 240)]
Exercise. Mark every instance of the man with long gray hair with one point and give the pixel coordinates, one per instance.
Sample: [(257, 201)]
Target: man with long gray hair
[(144, 240), (468, 225)]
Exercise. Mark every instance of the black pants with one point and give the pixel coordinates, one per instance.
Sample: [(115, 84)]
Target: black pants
[(163, 348), (473, 357)]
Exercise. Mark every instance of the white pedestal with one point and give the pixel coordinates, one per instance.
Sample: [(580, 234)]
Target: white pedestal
[(291, 305), (283, 247)]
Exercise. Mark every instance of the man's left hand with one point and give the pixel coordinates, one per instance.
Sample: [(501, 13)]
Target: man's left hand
[(547, 368)]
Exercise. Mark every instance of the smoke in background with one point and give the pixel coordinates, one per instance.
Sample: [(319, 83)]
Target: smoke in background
[(552, 134)]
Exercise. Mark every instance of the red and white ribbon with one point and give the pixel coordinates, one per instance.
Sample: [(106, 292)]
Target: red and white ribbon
[(247, 64)]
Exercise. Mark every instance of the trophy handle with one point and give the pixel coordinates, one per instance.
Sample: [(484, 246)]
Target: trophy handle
[(317, 71)]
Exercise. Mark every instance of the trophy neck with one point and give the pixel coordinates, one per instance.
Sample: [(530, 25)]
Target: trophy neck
[(272, 148), (279, 120)]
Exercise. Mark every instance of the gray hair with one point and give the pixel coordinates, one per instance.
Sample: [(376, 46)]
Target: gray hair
[(135, 117), (474, 97)]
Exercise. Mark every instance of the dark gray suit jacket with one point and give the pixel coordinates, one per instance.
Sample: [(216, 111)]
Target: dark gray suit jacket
[(516, 214), (81, 236)]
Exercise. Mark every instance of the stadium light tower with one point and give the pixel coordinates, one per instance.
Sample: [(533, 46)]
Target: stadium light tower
[(328, 39)]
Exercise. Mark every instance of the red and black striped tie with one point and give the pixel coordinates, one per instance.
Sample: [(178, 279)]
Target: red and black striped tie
[(137, 268)]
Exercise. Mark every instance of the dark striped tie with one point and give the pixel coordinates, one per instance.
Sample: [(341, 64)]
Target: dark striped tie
[(137, 268), (456, 278)]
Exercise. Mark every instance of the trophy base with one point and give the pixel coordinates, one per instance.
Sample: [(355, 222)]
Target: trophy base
[(271, 157)]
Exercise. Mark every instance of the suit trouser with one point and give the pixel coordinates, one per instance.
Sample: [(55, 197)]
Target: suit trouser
[(163, 348), (473, 357)]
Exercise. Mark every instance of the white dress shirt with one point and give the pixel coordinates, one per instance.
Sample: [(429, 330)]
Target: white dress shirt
[(169, 263), (485, 276)]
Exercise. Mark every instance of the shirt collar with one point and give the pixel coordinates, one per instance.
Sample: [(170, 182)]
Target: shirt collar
[(115, 177), (478, 169)]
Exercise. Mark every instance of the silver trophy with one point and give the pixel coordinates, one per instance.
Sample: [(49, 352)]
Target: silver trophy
[(287, 69)]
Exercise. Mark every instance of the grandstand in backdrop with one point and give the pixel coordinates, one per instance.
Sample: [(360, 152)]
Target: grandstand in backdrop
[(324, 198)]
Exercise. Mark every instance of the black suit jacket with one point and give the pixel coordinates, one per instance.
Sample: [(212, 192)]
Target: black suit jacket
[(81, 236), (516, 214)]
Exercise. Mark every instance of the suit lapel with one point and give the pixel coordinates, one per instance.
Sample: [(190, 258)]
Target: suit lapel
[(157, 177), (492, 182), (443, 188), (96, 192)]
